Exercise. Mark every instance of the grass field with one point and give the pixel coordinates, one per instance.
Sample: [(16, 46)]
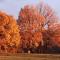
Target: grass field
[(30, 57)]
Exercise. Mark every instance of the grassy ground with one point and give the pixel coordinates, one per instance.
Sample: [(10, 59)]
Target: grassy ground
[(30, 57)]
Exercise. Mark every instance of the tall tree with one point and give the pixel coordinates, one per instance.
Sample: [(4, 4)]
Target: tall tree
[(9, 33), (30, 22), (51, 19)]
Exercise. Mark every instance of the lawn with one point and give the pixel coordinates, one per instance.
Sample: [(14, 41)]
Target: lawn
[(30, 57)]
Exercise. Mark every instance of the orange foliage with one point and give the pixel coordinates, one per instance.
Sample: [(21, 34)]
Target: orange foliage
[(51, 19), (55, 34), (37, 38), (9, 33), (30, 22)]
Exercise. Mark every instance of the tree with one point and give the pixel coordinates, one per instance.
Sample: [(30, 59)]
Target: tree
[(35, 23), (51, 19), (30, 22), (54, 31), (50, 16), (9, 33)]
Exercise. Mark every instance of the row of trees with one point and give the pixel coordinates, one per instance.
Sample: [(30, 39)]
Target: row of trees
[(36, 30), (39, 29)]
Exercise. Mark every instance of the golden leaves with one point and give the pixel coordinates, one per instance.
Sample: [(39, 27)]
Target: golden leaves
[(9, 32), (3, 18)]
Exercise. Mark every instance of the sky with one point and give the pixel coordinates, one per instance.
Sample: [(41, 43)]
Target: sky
[(13, 6)]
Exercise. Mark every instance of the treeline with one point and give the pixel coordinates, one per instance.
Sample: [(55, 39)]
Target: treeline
[(36, 30)]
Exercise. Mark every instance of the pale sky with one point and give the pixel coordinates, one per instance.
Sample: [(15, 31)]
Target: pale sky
[(13, 6)]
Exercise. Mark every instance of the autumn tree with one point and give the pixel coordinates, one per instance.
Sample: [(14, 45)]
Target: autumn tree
[(9, 33), (30, 22), (54, 31), (35, 23), (50, 19)]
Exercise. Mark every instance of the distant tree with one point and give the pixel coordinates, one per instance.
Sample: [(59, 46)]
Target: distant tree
[(9, 33), (50, 20), (54, 31)]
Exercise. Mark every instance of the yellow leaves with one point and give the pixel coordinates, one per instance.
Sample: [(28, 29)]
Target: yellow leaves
[(3, 18), (9, 31)]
